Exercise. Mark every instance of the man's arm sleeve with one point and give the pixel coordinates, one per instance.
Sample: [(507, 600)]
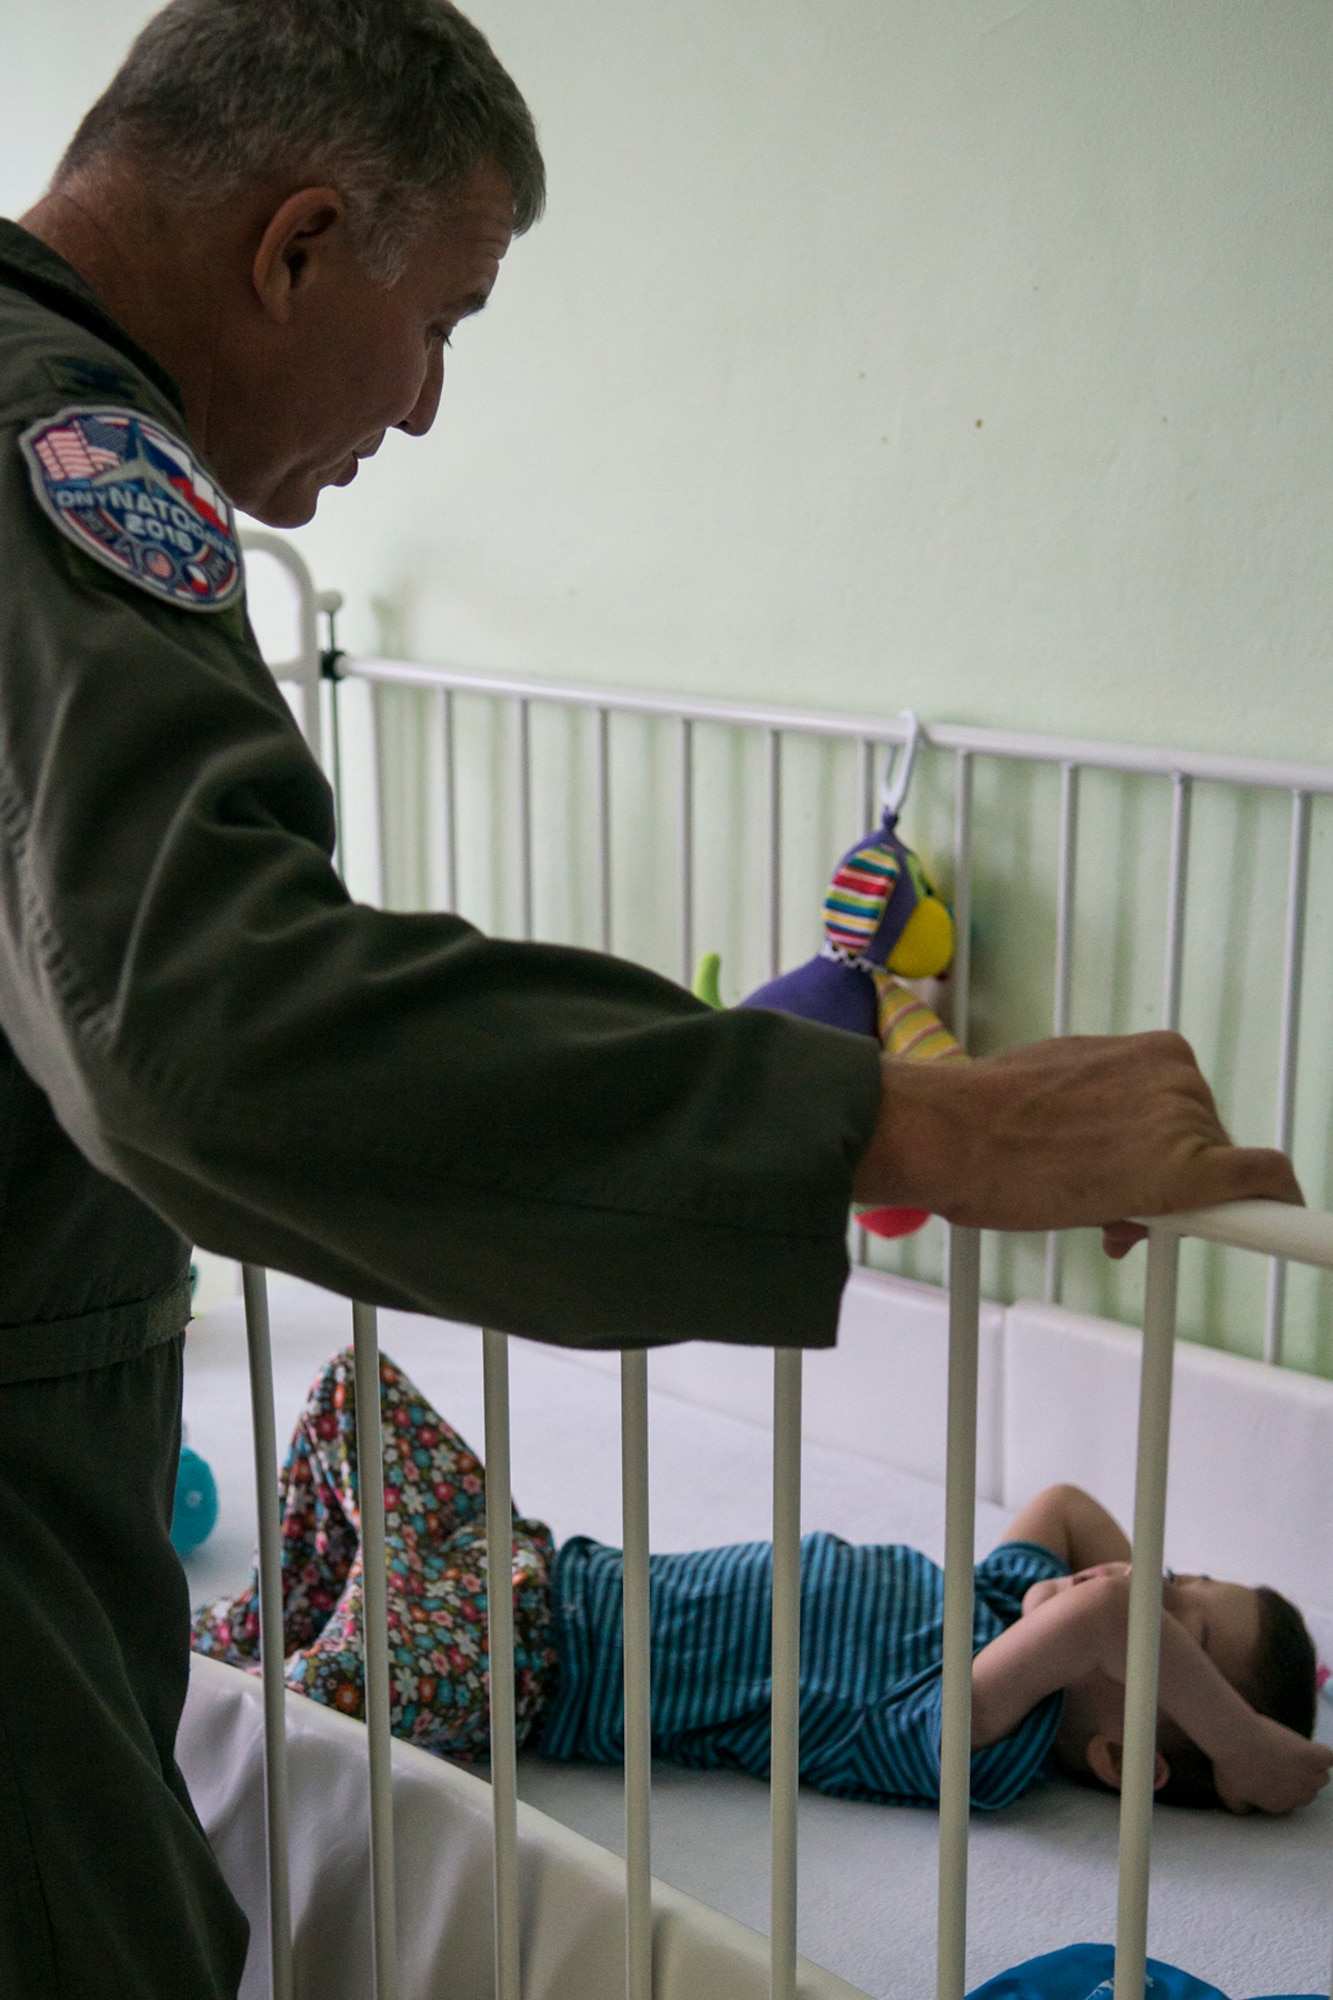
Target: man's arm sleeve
[(542, 1139)]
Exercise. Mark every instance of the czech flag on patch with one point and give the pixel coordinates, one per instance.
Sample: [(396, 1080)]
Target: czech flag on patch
[(130, 495)]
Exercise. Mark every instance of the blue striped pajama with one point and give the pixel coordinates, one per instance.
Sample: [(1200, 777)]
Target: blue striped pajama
[(872, 1621)]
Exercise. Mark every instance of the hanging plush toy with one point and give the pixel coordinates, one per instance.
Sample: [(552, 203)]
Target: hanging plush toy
[(883, 924)]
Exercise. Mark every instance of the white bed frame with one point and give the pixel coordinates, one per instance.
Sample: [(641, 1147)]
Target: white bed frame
[(1280, 1234)]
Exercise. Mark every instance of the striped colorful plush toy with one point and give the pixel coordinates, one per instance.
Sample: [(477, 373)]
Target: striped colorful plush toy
[(883, 924)]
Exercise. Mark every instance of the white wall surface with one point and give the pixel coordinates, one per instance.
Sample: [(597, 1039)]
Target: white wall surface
[(959, 352)]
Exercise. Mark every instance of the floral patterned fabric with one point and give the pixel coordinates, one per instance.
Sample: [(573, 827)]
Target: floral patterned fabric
[(435, 1530)]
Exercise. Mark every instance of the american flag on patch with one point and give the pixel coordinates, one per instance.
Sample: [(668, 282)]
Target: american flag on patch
[(66, 455)]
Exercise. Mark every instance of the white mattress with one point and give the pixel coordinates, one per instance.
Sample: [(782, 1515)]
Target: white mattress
[(1243, 1903)]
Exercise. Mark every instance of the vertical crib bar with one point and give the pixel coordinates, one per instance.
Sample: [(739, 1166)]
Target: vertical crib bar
[(866, 774), (336, 774), (960, 978), (785, 1753), (1293, 966), (858, 1246), (523, 718), (1145, 1612), (377, 825), (1064, 914), (311, 603), (449, 799), (686, 881), (604, 829), (1064, 968), (960, 1509), (375, 1638), (500, 1642), (774, 853), (859, 1239), (1182, 789), (271, 1647), (638, 1708)]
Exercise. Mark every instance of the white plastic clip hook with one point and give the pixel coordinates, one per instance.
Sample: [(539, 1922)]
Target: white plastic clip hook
[(898, 772)]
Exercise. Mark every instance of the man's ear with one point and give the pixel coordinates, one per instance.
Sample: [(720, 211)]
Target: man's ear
[(1106, 1761), (299, 235)]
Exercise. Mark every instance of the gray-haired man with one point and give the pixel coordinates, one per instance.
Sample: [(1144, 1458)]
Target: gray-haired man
[(244, 275)]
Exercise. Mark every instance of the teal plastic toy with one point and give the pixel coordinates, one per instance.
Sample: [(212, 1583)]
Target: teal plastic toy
[(195, 1513)]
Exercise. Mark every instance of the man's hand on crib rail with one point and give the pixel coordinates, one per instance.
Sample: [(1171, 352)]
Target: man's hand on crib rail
[(1085, 1129)]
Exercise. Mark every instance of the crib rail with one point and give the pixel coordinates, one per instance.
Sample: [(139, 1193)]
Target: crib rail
[(1074, 756), (876, 736), (1281, 1234), (1267, 1228), (967, 748)]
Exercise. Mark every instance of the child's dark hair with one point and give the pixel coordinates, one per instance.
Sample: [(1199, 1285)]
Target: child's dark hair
[(1283, 1686)]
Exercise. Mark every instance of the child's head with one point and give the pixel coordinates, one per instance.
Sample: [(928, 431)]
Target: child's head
[(1254, 1637)]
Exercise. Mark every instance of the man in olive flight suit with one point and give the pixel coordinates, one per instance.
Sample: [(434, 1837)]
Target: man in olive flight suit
[(241, 279)]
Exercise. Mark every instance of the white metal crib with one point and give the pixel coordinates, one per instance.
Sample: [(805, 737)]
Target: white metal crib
[(1280, 1234)]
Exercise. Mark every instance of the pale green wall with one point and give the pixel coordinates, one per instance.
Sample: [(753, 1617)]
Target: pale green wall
[(954, 352), (719, 427)]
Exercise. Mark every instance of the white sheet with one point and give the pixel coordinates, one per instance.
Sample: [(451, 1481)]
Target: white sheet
[(1244, 1903), (572, 1892)]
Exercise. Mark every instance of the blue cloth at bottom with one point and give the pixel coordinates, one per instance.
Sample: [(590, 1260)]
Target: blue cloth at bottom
[(1087, 1972)]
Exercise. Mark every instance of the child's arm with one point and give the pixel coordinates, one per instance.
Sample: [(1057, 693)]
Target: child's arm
[(1044, 1651), (1072, 1525), (1271, 1770), (1081, 1630)]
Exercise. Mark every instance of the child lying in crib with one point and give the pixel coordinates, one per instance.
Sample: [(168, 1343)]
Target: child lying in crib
[(1237, 1689)]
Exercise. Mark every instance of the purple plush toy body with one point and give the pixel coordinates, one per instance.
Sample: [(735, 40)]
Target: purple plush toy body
[(882, 924)]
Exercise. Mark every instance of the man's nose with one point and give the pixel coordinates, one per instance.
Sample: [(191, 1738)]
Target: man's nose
[(422, 413)]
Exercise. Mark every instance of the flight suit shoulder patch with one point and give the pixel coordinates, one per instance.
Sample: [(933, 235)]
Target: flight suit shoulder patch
[(126, 492)]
